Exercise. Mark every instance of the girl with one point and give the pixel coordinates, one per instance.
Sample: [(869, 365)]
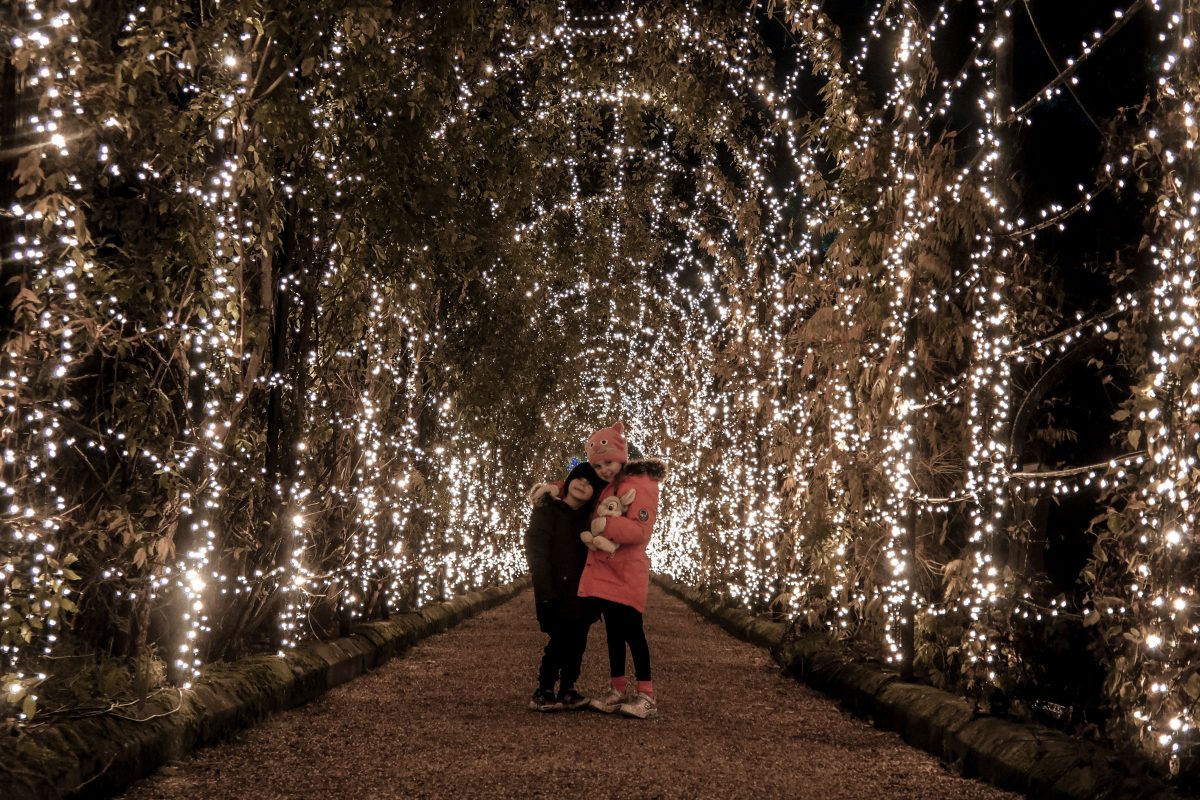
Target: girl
[(617, 582), (556, 557)]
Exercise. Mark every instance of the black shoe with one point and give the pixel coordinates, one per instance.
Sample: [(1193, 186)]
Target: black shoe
[(544, 700), (571, 699)]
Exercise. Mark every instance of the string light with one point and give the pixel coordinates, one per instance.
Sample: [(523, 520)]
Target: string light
[(40, 354), (1163, 625)]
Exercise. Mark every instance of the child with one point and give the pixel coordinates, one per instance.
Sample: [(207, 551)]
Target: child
[(556, 558), (618, 582)]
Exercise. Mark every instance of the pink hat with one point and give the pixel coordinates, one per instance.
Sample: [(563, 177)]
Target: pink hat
[(608, 444)]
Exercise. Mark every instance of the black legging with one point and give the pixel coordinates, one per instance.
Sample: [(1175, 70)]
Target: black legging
[(563, 654), (622, 626)]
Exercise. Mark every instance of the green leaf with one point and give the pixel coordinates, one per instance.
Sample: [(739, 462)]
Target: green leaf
[(1192, 686)]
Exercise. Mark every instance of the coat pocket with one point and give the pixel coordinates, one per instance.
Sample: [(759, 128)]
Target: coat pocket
[(605, 570)]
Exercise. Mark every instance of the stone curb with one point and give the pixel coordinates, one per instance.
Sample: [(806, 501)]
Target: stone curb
[(1036, 760), (97, 756)]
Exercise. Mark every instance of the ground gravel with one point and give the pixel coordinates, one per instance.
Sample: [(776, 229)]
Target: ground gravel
[(449, 720)]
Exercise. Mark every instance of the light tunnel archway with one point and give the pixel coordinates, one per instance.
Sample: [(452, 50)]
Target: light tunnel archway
[(359, 221)]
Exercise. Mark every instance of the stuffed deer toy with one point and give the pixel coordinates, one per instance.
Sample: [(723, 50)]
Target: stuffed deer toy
[(610, 507)]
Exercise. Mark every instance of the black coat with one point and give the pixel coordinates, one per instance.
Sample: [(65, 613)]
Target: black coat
[(556, 557)]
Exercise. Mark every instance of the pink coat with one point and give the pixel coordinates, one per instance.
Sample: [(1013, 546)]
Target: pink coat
[(624, 576)]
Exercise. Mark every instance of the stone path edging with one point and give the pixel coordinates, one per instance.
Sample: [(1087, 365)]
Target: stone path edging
[(95, 756), (1029, 758)]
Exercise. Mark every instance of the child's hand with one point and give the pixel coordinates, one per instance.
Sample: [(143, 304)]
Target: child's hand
[(540, 489)]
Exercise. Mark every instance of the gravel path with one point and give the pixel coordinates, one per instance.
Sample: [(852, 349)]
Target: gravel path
[(448, 720)]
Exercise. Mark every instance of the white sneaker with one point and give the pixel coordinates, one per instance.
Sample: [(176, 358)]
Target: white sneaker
[(642, 706), (609, 702)]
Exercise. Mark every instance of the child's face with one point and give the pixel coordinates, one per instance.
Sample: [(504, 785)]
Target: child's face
[(580, 489), (607, 470)]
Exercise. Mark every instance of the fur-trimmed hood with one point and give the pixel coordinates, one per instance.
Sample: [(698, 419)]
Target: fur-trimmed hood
[(655, 468)]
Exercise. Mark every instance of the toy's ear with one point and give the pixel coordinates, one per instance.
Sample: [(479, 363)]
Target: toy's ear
[(619, 427), (627, 498)]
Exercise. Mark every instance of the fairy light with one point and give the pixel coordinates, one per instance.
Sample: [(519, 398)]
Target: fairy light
[(1169, 414), (40, 353), (989, 392), (212, 339), (897, 590)]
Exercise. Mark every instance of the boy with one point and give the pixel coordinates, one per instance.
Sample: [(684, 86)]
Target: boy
[(556, 557)]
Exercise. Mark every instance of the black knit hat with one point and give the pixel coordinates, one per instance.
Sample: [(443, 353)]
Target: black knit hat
[(587, 471)]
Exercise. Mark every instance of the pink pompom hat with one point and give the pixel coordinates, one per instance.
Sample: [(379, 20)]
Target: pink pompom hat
[(608, 444)]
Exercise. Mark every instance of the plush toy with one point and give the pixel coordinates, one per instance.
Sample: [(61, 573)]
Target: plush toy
[(609, 507)]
